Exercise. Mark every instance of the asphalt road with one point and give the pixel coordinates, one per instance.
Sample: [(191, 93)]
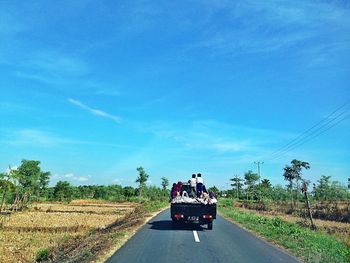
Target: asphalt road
[(158, 241)]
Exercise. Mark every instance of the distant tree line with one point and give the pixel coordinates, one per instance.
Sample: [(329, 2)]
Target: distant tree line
[(250, 187), (28, 182)]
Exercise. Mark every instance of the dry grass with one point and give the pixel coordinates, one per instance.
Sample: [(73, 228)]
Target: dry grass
[(48, 225), (338, 229)]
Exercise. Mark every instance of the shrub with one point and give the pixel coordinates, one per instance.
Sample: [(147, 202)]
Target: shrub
[(42, 255)]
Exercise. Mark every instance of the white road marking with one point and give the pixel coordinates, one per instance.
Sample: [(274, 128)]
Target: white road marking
[(196, 238)]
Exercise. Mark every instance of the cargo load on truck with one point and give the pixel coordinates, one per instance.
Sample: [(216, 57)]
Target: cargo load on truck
[(191, 203)]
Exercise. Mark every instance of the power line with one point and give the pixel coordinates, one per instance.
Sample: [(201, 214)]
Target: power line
[(313, 137), (299, 137), (313, 132)]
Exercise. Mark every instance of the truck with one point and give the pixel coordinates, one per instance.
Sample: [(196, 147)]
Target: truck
[(197, 213)]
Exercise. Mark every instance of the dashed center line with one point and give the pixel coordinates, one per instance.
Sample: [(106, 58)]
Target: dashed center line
[(196, 237)]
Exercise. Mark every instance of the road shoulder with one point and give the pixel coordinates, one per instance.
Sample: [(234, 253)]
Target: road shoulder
[(267, 241), (128, 234)]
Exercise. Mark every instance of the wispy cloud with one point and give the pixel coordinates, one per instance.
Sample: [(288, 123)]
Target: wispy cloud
[(73, 177), (95, 111), (273, 26), (40, 138), (36, 137), (108, 92), (218, 138)]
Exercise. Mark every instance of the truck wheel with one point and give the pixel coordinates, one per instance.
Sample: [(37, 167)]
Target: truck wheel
[(210, 225)]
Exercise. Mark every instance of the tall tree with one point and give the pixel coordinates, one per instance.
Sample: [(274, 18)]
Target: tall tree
[(289, 176), (297, 167), (250, 181), (265, 183), (142, 179), (237, 184), (322, 190), (304, 191), (165, 183), (63, 191), (44, 180), (28, 174)]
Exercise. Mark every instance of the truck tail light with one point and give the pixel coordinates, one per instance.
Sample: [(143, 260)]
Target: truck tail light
[(207, 216), (179, 216)]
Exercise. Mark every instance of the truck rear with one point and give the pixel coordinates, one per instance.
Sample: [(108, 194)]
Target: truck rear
[(193, 212)]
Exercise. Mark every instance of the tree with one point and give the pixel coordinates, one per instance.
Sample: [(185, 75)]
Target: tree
[(289, 176), (279, 193), (165, 183), (265, 188), (297, 166), (6, 185), (250, 181), (27, 174), (142, 179), (338, 191), (265, 183), (237, 185), (63, 191), (44, 180), (304, 191), (322, 189), (128, 191), (214, 189)]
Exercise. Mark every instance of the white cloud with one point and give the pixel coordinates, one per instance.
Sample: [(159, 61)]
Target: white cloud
[(39, 138), (55, 63), (95, 111), (230, 146), (36, 137), (108, 92), (220, 137), (73, 177), (9, 169)]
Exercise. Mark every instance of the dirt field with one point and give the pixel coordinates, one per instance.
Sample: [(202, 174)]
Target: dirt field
[(47, 225)]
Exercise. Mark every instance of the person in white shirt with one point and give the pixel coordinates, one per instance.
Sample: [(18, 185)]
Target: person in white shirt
[(200, 184), (193, 183)]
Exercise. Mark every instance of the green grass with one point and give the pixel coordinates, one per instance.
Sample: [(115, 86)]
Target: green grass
[(154, 205), (42, 255), (310, 246)]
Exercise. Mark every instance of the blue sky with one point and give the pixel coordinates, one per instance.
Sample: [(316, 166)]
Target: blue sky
[(94, 89)]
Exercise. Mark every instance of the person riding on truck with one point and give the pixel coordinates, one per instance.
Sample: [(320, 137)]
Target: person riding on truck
[(200, 184), (193, 183)]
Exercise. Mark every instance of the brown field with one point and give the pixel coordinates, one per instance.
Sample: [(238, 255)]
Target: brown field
[(46, 225)]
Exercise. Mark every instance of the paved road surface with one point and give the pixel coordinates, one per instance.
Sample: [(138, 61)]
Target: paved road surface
[(157, 241)]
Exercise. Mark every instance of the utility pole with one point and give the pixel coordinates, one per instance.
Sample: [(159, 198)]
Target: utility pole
[(259, 189), (258, 163)]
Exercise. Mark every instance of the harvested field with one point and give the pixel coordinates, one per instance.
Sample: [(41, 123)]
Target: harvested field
[(46, 225)]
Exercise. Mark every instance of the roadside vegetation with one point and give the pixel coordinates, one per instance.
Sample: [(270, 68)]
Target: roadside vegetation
[(325, 200), (312, 223), (308, 245), (67, 223)]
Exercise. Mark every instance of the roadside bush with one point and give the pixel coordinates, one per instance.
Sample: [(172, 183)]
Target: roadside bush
[(42, 255)]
